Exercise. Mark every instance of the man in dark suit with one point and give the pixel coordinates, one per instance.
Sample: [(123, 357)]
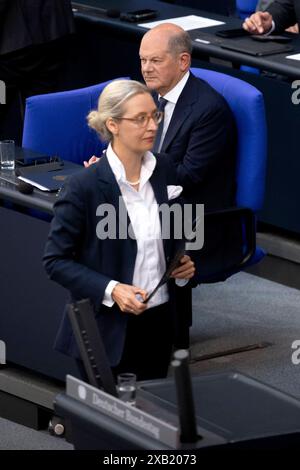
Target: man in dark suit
[(198, 135), (33, 44), (198, 131), (280, 15)]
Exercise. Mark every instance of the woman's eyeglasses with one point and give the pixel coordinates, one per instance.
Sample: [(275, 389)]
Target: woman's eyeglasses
[(143, 119)]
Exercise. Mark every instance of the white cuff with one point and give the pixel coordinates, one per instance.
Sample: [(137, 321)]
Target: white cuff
[(271, 30), (107, 299), (181, 282)]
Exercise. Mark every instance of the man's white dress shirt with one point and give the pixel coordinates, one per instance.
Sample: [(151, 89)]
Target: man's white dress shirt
[(172, 97)]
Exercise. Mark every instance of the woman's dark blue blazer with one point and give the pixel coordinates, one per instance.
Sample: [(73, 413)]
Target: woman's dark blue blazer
[(78, 260)]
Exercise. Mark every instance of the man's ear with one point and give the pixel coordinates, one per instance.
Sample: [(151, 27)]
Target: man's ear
[(112, 126), (185, 61)]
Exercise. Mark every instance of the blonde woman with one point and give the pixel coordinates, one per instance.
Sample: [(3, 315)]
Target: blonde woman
[(114, 271)]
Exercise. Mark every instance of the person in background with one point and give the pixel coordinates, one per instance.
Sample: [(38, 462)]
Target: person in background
[(278, 15), (117, 273), (34, 48)]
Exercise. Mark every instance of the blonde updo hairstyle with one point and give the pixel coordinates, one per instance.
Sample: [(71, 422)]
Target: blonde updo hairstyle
[(111, 103)]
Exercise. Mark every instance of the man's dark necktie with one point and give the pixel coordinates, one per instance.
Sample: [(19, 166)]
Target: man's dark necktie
[(161, 106)]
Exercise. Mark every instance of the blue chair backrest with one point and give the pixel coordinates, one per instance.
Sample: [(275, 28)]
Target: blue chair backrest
[(55, 124), (247, 105), (245, 8)]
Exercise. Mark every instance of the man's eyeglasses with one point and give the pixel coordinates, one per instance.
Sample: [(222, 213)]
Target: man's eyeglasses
[(143, 119)]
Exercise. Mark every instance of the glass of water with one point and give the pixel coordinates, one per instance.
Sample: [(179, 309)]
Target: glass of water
[(7, 154), (126, 387)]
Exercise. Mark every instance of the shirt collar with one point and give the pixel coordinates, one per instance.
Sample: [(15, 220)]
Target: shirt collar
[(148, 165), (173, 95)]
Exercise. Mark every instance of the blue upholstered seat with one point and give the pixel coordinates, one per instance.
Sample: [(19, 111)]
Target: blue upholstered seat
[(247, 105), (55, 124), (245, 8)]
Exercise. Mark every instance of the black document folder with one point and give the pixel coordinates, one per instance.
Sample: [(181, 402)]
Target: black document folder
[(175, 261), (250, 46), (50, 176)]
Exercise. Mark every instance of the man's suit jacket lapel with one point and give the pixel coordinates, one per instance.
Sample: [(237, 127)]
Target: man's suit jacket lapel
[(159, 185), (181, 112)]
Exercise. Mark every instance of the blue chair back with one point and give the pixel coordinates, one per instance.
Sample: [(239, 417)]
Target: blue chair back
[(247, 105), (245, 8), (55, 124)]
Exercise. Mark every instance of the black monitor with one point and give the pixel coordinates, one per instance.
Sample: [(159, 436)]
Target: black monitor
[(91, 346)]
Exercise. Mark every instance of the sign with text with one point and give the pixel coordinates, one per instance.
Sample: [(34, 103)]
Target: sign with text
[(121, 411)]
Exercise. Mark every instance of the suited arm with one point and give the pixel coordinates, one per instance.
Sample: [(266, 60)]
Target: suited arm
[(64, 244), (283, 13), (207, 142)]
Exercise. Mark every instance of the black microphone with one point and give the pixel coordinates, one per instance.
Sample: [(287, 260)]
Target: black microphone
[(24, 187), (21, 186), (185, 401), (111, 12)]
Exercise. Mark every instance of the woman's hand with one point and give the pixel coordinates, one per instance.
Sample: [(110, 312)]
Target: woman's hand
[(125, 296), (92, 160), (186, 270)]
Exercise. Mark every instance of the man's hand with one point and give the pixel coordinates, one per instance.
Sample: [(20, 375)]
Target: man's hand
[(258, 23), (92, 160), (186, 270), (293, 29), (125, 296)]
